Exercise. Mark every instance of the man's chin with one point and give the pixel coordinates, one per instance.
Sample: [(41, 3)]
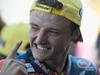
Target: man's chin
[(41, 59)]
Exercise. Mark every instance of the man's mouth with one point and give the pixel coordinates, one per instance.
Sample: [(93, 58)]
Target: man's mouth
[(42, 48)]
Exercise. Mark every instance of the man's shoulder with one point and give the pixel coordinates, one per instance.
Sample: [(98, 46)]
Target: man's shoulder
[(82, 66), (23, 54), (81, 62)]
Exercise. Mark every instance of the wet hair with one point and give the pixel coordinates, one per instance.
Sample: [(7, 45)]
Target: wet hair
[(74, 27)]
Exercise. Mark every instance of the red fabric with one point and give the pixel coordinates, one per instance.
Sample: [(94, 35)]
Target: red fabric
[(1, 63), (34, 74)]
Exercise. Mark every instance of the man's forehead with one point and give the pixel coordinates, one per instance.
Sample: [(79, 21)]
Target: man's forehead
[(39, 14), (47, 16), (55, 22)]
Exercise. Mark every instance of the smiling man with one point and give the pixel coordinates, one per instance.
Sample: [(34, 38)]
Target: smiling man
[(54, 26)]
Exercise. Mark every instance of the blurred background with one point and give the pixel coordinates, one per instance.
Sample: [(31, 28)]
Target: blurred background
[(14, 19), (15, 15)]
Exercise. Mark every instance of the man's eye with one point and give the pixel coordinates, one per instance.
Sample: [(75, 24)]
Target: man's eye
[(54, 33), (35, 28)]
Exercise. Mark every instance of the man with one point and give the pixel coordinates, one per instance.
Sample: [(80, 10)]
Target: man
[(54, 25)]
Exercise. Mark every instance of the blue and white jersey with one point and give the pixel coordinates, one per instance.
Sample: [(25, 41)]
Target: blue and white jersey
[(79, 66), (74, 66)]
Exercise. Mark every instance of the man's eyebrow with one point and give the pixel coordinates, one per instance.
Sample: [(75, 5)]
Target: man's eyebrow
[(33, 24), (54, 29)]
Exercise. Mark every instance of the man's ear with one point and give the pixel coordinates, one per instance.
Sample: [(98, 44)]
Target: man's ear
[(76, 35)]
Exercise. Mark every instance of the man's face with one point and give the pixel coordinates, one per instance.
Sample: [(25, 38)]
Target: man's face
[(49, 35)]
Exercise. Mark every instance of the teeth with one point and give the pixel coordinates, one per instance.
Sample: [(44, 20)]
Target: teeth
[(41, 48)]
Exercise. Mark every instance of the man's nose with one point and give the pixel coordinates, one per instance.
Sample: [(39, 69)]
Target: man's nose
[(41, 37)]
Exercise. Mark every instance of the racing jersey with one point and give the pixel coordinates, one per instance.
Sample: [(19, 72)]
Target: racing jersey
[(73, 66)]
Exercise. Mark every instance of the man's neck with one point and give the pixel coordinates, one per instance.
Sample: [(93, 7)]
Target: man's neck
[(57, 65)]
